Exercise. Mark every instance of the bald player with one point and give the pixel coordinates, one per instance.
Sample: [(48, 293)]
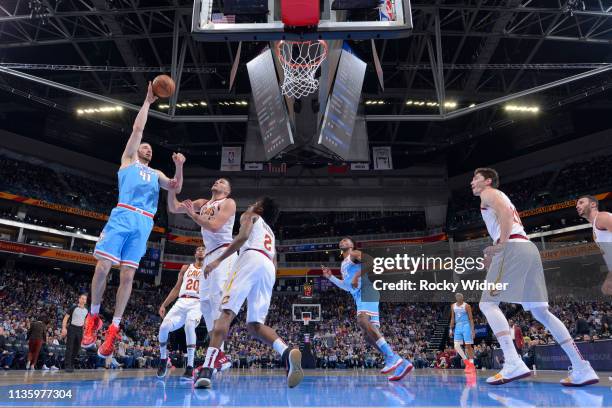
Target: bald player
[(588, 208)]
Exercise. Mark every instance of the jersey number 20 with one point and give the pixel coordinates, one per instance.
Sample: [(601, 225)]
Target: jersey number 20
[(193, 285)]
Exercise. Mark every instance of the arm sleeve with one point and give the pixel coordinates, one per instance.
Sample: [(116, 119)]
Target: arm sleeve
[(338, 282)]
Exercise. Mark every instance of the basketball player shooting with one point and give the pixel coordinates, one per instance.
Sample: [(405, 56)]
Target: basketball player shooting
[(588, 208), (216, 217), (515, 260), (462, 324), (123, 240), (253, 281), (186, 311), (368, 317)]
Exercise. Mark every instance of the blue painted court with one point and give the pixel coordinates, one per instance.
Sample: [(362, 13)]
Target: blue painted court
[(319, 388)]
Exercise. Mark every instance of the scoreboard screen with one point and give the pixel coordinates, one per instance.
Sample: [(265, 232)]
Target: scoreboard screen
[(269, 105), (341, 111)]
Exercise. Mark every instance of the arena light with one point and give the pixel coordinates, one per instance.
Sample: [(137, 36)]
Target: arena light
[(522, 108), (99, 109)]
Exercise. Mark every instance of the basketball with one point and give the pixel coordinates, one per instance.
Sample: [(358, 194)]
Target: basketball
[(163, 86)]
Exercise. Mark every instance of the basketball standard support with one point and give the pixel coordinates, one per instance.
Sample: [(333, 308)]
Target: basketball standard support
[(368, 118)]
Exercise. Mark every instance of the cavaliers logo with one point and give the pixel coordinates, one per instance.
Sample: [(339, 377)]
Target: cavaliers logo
[(225, 299)]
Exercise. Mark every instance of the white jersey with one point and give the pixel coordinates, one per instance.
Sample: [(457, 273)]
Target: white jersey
[(492, 223), (213, 240), (261, 239), (190, 287), (600, 235)]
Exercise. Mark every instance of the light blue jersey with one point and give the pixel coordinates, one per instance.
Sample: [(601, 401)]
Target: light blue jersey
[(348, 270), (139, 187), (124, 238), (462, 329)]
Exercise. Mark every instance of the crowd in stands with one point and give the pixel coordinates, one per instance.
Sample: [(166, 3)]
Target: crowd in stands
[(336, 342), (589, 176), (294, 225)]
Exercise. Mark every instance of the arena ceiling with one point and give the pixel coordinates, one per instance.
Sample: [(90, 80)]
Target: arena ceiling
[(467, 52)]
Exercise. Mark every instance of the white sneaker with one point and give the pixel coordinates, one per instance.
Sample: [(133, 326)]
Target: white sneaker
[(54, 368), (513, 370), (45, 367), (581, 375), (28, 365)]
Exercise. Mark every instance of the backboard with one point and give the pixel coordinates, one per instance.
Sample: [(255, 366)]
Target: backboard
[(216, 20)]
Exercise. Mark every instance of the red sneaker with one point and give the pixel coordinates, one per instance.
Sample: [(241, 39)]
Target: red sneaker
[(108, 347), (469, 366), (222, 362), (93, 323)]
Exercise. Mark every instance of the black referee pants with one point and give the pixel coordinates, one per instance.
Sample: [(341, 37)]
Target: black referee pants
[(73, 344)]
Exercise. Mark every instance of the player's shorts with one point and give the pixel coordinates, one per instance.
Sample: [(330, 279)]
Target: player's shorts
[(124, 237), (211, 288), (252, 280), (183, 310), (463, 334), (519, 266), (368, 308), (606, 251)]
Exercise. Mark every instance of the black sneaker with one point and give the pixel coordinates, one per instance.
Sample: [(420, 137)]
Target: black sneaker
[(204, 378), (162, 370), (188, 374), (292, 358)]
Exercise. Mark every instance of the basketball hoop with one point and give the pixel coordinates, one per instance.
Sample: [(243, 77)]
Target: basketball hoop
[(306, 318), (300, 61)]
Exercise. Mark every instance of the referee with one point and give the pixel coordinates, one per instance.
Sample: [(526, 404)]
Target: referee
[(72, 325)]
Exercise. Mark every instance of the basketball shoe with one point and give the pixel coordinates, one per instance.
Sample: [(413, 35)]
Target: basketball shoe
[(512, 370), (580, 376), (164, 365), (292, 358), (93, 323), (108, 347), (222, 362), (391, 364), (469, 366), (401, 371)]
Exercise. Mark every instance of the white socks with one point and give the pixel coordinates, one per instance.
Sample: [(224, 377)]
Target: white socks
[(499, 325), (211, 357), (95, 309), (190, 356), (279, 346), (116, 321), (163, 351)]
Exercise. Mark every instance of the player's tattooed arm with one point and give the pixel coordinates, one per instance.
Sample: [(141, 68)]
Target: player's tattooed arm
[(246, 226), (173, 293), (131, 148)]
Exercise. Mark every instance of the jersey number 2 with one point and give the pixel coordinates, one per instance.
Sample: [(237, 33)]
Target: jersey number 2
[(268, 242), (193, 285)]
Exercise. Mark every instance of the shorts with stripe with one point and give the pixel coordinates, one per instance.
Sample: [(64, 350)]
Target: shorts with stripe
[(368, 308), (519, 265), (252, 280), (211, 288), (124, 237)]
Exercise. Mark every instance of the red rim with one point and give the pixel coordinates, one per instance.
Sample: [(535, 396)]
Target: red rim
[(318, 60)]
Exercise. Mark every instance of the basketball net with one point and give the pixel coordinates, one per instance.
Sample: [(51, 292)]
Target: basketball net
[(300, 61), (306, 320)]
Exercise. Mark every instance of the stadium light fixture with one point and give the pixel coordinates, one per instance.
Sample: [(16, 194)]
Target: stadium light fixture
[(522, 108)]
